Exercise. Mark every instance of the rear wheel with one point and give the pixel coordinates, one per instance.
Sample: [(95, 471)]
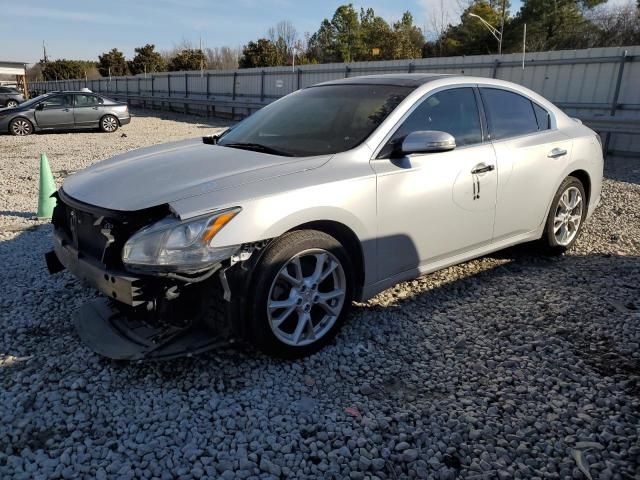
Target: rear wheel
[(12, 103), (108, 124), (566, 217), (303, 288), (20, 127)]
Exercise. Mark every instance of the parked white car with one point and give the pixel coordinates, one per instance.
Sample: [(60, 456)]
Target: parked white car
[(330, 194)]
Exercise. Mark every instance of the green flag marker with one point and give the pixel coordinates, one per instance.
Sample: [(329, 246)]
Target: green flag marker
[(47, 188)]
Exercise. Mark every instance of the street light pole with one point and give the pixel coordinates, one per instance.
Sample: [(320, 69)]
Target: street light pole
[(494, 31), (504, 6)]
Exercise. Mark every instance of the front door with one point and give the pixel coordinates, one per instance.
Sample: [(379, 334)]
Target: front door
[(55, 112), (433, 206)]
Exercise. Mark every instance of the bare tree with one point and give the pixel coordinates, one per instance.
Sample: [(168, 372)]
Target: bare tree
[(223, 58), (284, 36)]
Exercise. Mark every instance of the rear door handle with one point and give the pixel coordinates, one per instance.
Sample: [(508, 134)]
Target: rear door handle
[(557, 152), (65, 109), (482, 168)]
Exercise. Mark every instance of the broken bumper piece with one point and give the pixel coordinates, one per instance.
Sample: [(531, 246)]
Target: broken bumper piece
[(109, 332)]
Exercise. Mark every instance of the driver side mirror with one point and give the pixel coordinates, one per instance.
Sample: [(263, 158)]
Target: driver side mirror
[(428, 141), (40, 106)]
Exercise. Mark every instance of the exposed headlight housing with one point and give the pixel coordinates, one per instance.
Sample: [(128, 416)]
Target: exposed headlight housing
[(172, 245)]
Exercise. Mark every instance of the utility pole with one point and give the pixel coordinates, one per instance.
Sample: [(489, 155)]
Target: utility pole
[(504, 5)]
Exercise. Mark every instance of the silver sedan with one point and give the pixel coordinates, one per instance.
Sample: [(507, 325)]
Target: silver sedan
[(64, 111), (328, 195)]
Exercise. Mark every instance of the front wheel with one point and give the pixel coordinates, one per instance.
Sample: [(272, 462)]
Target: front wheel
[(109, 124), (303, 288), (12, 104), (566, 217), (20, 127)]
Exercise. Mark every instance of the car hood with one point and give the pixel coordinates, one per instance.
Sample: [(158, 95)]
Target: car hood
[(170, 172)]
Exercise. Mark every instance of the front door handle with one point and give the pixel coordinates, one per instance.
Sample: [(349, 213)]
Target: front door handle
[(65, 109), (557, 152), (95, 108), (482, 168)]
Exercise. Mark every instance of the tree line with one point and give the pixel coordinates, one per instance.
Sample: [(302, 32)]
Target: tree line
[(351, 36)]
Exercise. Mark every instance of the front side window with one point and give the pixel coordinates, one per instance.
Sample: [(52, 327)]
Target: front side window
[(317, 120), (508, 114), (56, 101), (454, 111), (87, 101)]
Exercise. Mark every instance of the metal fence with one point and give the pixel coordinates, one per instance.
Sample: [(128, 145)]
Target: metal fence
[(601, 86)]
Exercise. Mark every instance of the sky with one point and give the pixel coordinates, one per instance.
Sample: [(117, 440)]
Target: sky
[(84, 29)]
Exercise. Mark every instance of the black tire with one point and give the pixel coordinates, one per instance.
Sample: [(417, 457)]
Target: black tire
[(12, 103), (109, 124), (20, 127), (278, 254), (549, 242)]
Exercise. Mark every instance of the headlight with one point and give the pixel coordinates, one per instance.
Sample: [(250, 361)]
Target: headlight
[(179, 246)]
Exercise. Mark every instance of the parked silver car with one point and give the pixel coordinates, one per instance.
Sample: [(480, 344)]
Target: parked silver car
[(64, 111), (10, 97), (328, 195)]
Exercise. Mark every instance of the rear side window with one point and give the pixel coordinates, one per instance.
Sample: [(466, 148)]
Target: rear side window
[(508, 113), (87, 100), (542, 116), (454, 111), (4, 90)]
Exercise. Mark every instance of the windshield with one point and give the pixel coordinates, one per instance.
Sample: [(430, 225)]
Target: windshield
[(318, 120), (28, 103)]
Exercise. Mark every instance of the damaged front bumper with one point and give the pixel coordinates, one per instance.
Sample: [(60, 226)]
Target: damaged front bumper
[(109, 332), (117, 285), (125, 325)]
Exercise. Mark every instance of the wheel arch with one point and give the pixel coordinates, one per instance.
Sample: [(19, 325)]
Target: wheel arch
[(585, 179), (349, 241), (33, 124)]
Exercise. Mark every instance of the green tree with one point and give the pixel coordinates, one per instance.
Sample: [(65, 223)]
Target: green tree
[(407, 38), (67, 69), (262, 53), (471, 36), (375, 34), (553, 24), (188, 59), (112, 63), (147, 60), (322, 44), (346, 27)]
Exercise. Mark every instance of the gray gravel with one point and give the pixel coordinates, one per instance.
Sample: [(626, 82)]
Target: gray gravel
[(510, 366)]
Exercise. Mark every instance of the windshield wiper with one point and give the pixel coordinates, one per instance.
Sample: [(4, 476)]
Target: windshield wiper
[(257, 147)]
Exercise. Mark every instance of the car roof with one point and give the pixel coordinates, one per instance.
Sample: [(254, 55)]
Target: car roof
[(394, 79)]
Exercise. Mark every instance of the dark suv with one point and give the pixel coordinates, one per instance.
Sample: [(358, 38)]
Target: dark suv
[(10, 97)]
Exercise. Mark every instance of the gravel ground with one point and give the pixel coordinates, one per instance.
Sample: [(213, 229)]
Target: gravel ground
[(509, 366)]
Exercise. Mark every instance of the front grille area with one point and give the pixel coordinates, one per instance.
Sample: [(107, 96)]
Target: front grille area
[(97, 233)]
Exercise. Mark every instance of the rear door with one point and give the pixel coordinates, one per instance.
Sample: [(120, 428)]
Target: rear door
[(87, 109), (55, 111), (532, 156)]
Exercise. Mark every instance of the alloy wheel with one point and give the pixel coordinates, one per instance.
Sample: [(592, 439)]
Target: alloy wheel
[(568, 216), (109, 124), (306, 297), (21, 127), (12, 104)]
